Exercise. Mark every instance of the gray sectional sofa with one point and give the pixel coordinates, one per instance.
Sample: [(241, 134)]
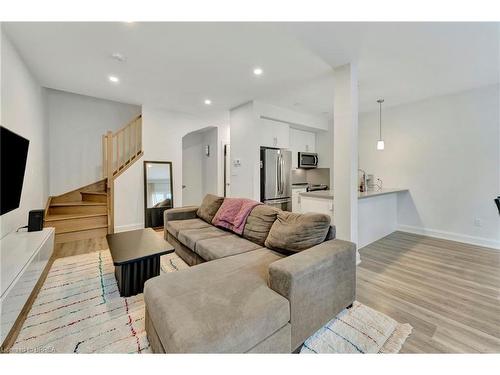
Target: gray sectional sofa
[(265, 291)]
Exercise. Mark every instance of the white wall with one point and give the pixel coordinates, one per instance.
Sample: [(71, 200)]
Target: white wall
[(211, 163), (345, 162), (76, 125), (445, 150), (22, 102), (162, 140), (245, 146), (324, 149), (300, 120)]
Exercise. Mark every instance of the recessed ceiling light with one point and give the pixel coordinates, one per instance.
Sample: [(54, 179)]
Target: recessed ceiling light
[(114, 79), (208, 101), (258, 71)]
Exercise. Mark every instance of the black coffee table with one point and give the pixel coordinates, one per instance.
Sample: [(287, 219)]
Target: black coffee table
[(136, 257)]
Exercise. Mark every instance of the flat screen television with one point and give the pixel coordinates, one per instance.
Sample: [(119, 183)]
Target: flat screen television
[(13, 155)]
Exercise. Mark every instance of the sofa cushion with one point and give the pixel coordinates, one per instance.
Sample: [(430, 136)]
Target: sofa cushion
[(216, 248), (219, 306), (296, 232), (174, 226), (259, 222), (190, 237), (209, 207)]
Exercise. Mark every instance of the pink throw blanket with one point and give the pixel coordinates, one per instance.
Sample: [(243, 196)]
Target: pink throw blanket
[(233, 214)]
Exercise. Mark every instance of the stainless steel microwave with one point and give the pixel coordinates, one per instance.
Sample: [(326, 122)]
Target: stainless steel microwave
[(308, 160)]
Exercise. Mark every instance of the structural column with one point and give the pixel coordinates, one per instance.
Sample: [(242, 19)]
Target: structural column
[(345, 153)]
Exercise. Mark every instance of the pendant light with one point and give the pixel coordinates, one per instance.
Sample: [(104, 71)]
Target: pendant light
[(380, 142)]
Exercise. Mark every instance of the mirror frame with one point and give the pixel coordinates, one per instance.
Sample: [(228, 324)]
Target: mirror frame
[(146, 184)]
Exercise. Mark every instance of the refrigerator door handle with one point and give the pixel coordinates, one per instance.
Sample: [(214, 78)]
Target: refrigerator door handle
[(279, 174), (282, 178), (282, 175)]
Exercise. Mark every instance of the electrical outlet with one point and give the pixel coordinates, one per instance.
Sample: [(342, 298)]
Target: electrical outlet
[(478, 222)]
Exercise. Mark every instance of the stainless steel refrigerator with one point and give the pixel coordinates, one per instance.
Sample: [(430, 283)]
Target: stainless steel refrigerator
[(275, 183)]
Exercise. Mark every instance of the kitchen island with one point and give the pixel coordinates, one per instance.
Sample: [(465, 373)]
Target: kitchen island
[(377, 214), (377, 211)]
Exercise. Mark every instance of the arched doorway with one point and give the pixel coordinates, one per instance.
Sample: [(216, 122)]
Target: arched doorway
[(199, 165)]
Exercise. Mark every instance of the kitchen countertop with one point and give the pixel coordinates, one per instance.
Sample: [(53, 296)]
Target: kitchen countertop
[(325, 194), (328, 194), (374, 193)]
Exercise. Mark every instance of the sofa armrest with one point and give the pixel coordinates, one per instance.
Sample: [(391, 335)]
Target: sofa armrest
[(180, 213), (318, 282)]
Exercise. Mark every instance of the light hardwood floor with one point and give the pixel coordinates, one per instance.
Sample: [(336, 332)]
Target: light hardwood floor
[(88, 245), (61, 250), (448, 291)]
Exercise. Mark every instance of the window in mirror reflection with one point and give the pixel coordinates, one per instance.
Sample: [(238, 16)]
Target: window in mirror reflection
[(158, 185)]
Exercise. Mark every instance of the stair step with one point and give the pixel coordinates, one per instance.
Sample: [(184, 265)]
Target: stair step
[(79, 207), (77, 203), (93, 196), (79, 225), (81, 235), (58, 217), (75, 195), (75, 223)]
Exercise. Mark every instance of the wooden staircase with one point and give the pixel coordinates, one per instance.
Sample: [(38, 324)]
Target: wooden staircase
[(79, 214), (88, 212)]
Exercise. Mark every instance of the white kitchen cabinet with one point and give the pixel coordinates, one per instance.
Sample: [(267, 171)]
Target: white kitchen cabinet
[(274, 134), (314, 204), (296, 199), (301, 141)]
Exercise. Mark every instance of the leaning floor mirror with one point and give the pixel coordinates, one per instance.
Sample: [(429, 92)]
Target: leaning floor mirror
[(158, 192)]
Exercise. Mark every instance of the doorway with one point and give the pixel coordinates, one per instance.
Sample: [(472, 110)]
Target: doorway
[(199, 165), (227, 170)]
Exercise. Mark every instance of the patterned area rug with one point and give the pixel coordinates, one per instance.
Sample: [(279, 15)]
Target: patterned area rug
[(79, 310), (359, 329)]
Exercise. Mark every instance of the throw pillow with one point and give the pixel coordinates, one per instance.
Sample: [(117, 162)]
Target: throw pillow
[(296, 232), (259, 223), (209, 207)]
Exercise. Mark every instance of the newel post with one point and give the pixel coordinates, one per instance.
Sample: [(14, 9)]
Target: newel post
[(110, 184)]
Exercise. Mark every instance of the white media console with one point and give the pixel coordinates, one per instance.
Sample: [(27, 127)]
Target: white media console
[(23, 257)]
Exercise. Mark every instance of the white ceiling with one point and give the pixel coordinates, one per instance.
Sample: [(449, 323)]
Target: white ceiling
[(177, 65), (405, 62)]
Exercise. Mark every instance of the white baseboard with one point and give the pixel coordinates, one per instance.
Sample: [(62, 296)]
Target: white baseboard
[(125, 228), (478, 241)]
